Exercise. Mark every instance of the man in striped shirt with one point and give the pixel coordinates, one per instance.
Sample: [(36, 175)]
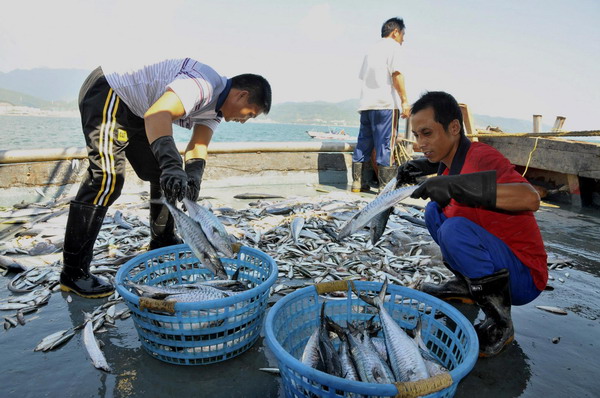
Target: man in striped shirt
[(128, 115)]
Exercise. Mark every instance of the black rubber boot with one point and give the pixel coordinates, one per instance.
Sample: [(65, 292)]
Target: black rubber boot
[(162, 225), (454, 289), (492, 294), (83, 226), (360, 177), (385, 174)]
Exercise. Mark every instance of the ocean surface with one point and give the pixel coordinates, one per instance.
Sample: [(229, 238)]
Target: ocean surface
[(38, 132)]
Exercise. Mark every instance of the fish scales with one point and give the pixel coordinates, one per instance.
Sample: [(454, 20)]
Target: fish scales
[(211, 225), (195, 237)]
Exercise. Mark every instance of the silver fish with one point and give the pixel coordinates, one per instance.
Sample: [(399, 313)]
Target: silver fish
[(403, 353), (211, 225), (193, 235), (296, 226), (202, 293), (310, 355), (54, 340), (379, 204), (434, 367), (91, 345), (329, 356), (370, 366)]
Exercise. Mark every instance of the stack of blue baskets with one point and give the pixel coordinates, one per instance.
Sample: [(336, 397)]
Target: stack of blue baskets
[(198, 333), (447, 333)]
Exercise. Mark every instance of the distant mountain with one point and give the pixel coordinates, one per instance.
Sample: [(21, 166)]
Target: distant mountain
[(58, 89), (20, 99), (46, 84)]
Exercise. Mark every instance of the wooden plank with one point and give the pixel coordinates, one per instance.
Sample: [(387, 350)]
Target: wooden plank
[(559, 155), (468, 120)]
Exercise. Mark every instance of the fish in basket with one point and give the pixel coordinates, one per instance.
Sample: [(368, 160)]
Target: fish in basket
[(377, 341), (189, 305)]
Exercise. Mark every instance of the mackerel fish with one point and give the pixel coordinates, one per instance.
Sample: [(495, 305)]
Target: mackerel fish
[(194, 236), (403, 353), (211, 225), (382, 202)]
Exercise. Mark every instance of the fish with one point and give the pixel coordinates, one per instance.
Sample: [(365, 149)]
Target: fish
[(257, 196), (379, 204), (348, 371), (91, 345), (327, 352), (369, 365), (310, 355), (213, 228), (554, 310), (194, 236), (202, 293), (54, 340), (296, 227), (434, 367), (404, 356)]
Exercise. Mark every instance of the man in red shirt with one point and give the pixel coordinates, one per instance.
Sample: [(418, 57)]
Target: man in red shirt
[(481, 216)]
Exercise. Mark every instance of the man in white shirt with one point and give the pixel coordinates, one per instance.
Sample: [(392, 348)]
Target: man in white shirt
[(382, 96), (129, 115)]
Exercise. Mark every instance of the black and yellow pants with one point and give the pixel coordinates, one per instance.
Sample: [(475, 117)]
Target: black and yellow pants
[(113, 136)]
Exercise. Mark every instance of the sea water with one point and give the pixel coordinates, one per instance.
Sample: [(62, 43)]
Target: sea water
[(38, 132)]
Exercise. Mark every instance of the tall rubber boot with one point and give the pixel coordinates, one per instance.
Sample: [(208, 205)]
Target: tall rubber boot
[(360, 177), (454, 289), (162, 224), (83, 225), (492, 294), (385, 175)]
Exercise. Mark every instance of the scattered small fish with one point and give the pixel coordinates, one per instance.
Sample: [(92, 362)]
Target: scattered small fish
[(257, 196), (91, 345), (554, 310)]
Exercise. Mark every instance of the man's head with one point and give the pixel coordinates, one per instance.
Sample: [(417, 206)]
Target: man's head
[(437, 124), (249, 97), (393, 28)]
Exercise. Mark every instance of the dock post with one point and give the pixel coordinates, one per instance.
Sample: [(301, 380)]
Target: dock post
[(468, 120), (558, 124), (537, 123)]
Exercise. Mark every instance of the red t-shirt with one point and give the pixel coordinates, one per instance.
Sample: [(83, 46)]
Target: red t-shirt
[(519, 230)]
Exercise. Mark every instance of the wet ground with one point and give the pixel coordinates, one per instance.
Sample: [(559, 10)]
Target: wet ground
[(552, 355)]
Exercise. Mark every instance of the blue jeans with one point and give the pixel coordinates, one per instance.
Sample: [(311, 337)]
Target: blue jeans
[(377, 130), (473, 252)]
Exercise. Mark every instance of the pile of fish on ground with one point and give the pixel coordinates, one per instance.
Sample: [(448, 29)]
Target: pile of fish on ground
[(363, 355), (299, 233)]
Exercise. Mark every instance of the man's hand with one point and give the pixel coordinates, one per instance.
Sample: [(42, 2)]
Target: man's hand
[(409, 171), (194, 169), (474, 189), (173, 180), (405, 113)]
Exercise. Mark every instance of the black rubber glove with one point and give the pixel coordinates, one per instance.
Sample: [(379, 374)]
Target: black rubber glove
[(194, 169), (409, 171), (173, 180), (473, 189)]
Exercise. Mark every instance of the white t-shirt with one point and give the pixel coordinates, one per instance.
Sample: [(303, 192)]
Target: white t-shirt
[(197, 85), (377, 90)]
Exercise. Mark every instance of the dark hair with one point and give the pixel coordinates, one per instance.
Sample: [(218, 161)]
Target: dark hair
[(258, 87), (445, 108), (390, 25)]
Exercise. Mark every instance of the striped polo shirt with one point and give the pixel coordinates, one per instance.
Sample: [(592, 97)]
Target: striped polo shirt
[(197, 85)]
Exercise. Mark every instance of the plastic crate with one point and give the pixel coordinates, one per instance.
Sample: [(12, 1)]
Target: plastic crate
[(204, 332), (291, 321)]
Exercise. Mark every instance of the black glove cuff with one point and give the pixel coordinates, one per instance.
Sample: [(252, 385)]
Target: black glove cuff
[(166, 153), (195, 167)]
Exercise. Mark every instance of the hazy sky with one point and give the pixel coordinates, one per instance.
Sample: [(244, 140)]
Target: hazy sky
[(511, 58)]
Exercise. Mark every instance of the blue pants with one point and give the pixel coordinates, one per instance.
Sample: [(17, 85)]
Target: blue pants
[(473, 252), (377, 130)]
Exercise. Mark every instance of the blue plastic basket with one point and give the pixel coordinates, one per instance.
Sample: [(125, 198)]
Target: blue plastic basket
[(201, 332), (291, 321)]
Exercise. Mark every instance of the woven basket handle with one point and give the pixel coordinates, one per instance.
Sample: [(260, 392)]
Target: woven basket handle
[(413, 389), (333, 286), (157, 305)]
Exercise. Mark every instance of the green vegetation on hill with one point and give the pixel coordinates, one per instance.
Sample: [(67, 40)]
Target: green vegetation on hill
[(19, 99)]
